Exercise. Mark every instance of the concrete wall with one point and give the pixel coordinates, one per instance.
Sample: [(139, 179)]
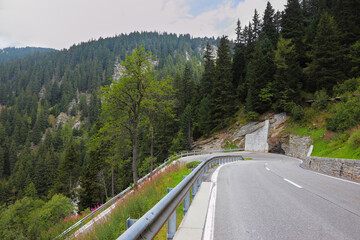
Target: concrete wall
[(257, 141)]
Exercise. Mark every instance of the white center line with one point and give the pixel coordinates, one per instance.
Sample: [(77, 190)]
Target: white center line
[(267, 168), (296, 185)]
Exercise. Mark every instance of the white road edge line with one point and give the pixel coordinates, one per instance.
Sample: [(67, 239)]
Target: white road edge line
[(296, 185), (325, 175), (336, 178), (210, 217)]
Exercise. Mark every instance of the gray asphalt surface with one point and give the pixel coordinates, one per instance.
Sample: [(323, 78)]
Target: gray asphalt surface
[(254, 201)]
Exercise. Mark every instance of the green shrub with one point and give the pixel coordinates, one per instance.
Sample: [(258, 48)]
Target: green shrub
[(344, 115), (297, 112), (354, 140), (192, 164), (349, 86), (321, 98), (251, 115)]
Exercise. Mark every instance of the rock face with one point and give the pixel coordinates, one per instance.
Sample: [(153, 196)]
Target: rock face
[(261, 136), (257, 141), (297, 146)]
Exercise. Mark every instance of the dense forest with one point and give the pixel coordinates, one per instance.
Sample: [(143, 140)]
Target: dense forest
[(63, 115), (11, 53)]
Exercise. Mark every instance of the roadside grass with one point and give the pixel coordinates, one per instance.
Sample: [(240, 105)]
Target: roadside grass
[(326, 143), (61, 226), (138, 203)]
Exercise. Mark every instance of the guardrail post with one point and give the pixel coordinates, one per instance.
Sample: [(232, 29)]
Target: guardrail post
[(186, 201), (171, 227), (194, 190), (130, 222)]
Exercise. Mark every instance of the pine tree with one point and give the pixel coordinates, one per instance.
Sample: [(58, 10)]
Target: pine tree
[(288, 77), (269, 28), (346, 13), (325, 67), (207, 80), (292, 27), (238, 65), (204, 116), (223, 92), (68, 172), (256, 25), (262, 76)]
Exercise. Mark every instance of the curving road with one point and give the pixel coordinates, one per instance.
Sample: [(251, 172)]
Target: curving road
[(271, 197)]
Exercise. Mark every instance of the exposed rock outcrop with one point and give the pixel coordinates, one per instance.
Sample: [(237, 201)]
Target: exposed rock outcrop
[(270, 128)]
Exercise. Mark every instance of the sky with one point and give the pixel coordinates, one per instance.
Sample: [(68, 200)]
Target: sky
[(62, 23)]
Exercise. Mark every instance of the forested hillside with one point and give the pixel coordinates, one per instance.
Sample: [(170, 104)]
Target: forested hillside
[(50, 108), (67, 128), (11, 53)]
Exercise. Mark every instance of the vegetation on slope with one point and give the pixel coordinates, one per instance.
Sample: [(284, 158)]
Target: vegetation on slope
[(138, 203), (277, 61), (333, 125)]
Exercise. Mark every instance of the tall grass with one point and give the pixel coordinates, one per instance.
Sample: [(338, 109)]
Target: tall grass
[(330, 144), (138, 203)]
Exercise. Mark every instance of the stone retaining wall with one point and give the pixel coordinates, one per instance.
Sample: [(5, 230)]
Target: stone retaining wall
[(300, 147), (347, 168)]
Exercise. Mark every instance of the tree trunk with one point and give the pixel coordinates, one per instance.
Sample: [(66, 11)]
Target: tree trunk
[(189, 135), (102, 179), (112, 180), (134, 157), (151, 147)]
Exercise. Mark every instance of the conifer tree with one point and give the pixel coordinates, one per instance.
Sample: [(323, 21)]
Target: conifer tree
[(256, 25), (262, 76), (204, 116), (325, 67), (207, 79), (288, 77), (268, 27), (238, 65), (292, 27), (223, 94), (68, 172)]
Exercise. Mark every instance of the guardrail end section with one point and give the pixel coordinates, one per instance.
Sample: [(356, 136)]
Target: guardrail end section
[(130, 222)]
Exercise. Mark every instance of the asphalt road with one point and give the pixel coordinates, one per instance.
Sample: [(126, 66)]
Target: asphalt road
[(271, 197)]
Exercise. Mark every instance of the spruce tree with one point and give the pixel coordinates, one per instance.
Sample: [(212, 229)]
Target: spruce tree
[(288, 77), (238, 65), (207, 80), (325, 68), (262, 76), (223, 94), (204, 116), (292, 27), (268, 27), (256, 25)]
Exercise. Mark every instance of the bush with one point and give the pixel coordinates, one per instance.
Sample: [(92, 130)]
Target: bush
[(344, 115), (321, 98), (297, 112), (349, 86), (354, 140), (192, 164), (251, 115)]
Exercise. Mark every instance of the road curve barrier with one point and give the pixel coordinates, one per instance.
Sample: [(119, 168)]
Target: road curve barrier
[(109, 203), (165, 210)]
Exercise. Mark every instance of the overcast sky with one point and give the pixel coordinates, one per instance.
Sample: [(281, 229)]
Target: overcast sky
[(62, 23)]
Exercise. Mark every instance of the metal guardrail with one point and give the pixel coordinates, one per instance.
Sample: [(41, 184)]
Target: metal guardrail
[(67, 232), (150, 224)]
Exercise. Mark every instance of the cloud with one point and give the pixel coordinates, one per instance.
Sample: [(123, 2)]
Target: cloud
[(61, 23)]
